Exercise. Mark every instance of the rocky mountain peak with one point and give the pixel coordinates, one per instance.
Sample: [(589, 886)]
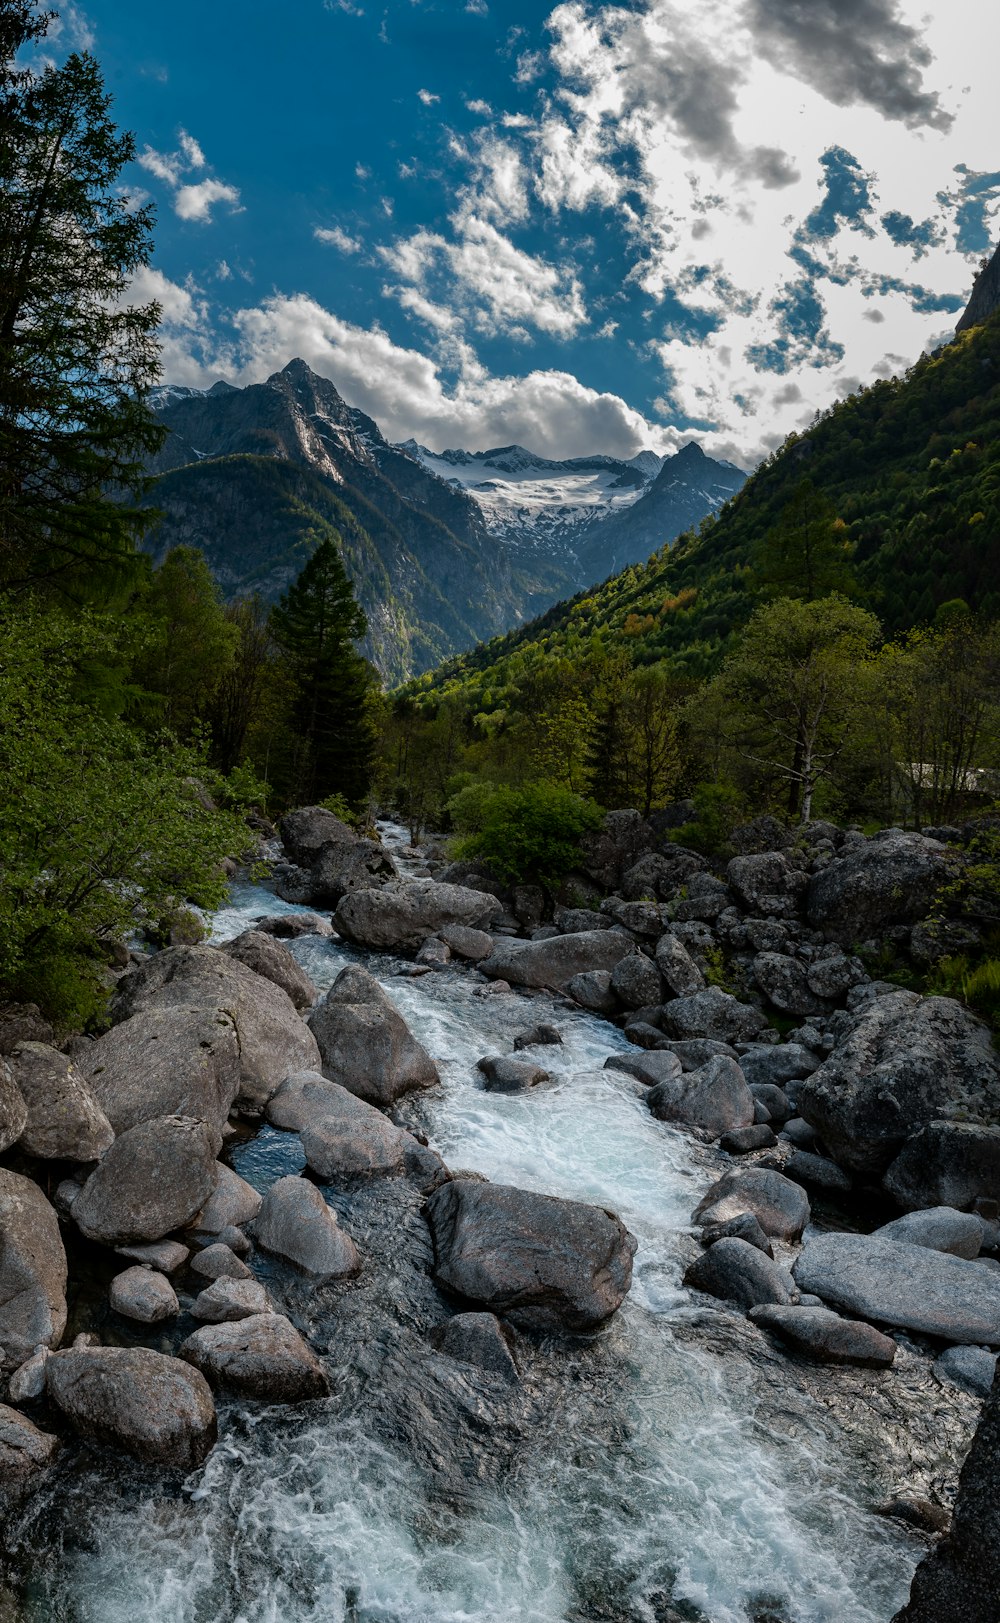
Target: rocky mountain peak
[(985, 296)]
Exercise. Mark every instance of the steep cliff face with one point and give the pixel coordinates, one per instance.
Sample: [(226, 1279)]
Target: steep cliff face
[(985, 297), (687, 488)]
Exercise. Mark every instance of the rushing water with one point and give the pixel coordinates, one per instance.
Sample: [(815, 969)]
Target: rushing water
[(731, 1499)]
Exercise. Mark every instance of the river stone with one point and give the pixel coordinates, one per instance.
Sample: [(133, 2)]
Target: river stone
[(744, 1227), (435, 953), (736, 1271), (774, 1064), (28, 1381), (818, 1172), (742, 1140), (971, 1368), (467, 943), (164, 1255), (780, 1206), (154, 1407), (766, 884), (783, 982), (267, 957), (825, 1336), (64, 1120), (272, 1037), (592, 990), (296, 1224), (13, 1110), (892, 879), (636, 982), (24, 1453), (940, 1228), (712, 1013), (342, 1136), (32, 1271), (948, 1163), (365, 1044), (219, 1262), (504, 1074), (166, 1062), (697, 1051), (677, 967), (540, 1036), (555, 962), (906, 1286), (155, 1178), (480, 1339), (714, 1099), (401, 915), (307, 830), (346, 866), (909, 1060), (261, 1357), (226, 1300), (232, 1203), (144, 1295), (773, 1098), (651, 1069), (542, 1262), (289, 926)]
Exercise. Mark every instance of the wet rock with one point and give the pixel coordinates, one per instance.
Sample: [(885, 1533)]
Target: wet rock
[(153, 1407), (232, 1203), (891, 880), (143, 1295), (401, 915), (296, 1224), (592, 990), (342, 1135), (817, 1333), (908, 1061), (940, 1228), (714, 1099), (650, 1068), (644, 1035), (744, 1139), (766, 883), (434, 953), (32, 1271), (799, 1133), (773, 1099), (554, 963), (261, 1357), (776, 1064), (738, 1272), (28, 1381), (697, 1051), (906, 1286), (166, 1062), (365, 1044), (155, 1178), (267, 957), (544, 1263), (227, 1300), (818, 1172), (779, 1205), (289, 926), (219, 1262), (473, 945), (745, 1227), (234, 1238), (13, 1110), (971, 1368), (540, 1036), (712, 1013), (64, 1120), (165, 1255), (25, 1451), (947, 1163), (480, 1339), (636, 981), (505, 1074), (783, 982)]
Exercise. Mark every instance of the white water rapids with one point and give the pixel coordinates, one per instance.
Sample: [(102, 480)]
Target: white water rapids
[(718, 1510)]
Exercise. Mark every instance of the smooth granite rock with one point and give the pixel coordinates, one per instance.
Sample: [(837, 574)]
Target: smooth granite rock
[(738, 1272), (155, 1408), (780, 1206), (817, 1333), (906, 1286)]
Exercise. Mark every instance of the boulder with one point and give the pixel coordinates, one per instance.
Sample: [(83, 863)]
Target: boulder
[(636, 982), (342, 1136), (267, 957), (947, 1163), (714, 1099), (775, 1064), (435, 953), (817, 1333), (783, 982), (644, 919), (479, 1339), (893, 879), (763, 834), (64, 1121), (766, 884), (345, 867), (155, 1178), (677, 968), (592, 990), (818, 1172), (712, 1013), (219, 1262), (540, 1036), (144, 1295), (971, 1368), (660, 875), (307, 830), (296, 1224), (166, 1062), (32, 1271), (401, 915), (780, 1206), (232, 1203), (28, 1381), (940, 1229), (833, 978), (544, 1263), (554, 962), (24, 1453), (153, 1407), (909, 1060), (774, 1099), (261, 1357), (289, 926), (616, 847), (697, 1051), (906, 1286), (504, 1074), (744, 1227), (738, 1272), (13, 1110), (742, 1140), (272, 1037), (467, 943), (227, 1300), (651, 1069), (166, 1256), (365, 1044)]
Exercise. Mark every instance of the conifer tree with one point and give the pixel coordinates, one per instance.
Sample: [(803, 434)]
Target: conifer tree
[(806, 555)]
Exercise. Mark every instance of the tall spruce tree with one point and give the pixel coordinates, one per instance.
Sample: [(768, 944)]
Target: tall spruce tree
[(807, 554), (316, 625)]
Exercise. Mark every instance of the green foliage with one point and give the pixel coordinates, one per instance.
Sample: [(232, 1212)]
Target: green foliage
[(190, 640), (341, 808), (719, 808), (806, 554), (532, 833), (469, 806)]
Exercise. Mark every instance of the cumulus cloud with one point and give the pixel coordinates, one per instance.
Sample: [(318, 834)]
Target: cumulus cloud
[(196, 201), (428, 97), (192, 200), (336, 238)]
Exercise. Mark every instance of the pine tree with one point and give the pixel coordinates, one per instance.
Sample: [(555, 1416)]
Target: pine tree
[(806, 555), (316, 625)]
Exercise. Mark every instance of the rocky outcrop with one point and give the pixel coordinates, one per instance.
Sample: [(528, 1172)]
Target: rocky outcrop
[(260, 1357), (32, 1271), (400, 916), (983, 300), (296, 1224), (336, 858), (64, 1120), (155, 1408), (892, 879), (166, 1062), (543, 1263), (556, 961), (342, 1136), (155, 1178), (907, 1286), (364, 1043), (267, 957), (714, 1099), (25, 1451), (948, 1163)]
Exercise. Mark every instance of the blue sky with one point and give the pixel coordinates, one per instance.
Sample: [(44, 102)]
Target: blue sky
[(587, 228)]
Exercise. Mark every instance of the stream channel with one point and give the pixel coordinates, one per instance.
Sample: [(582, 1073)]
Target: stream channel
[(675, 1466)]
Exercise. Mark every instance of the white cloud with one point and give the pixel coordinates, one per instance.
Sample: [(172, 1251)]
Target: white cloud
[(72, 28), (196, 201), (477, 8), (481, 108), (428, 97), (192, 200), (337, 238)]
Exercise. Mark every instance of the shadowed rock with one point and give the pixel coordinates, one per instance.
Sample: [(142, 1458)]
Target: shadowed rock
[(817, 1333), (556, 961), (738, 1272), (24, 1453), (295, 1223), (715, 1099), (401, 915), (65, 1121), (365, 1044), (155, 1408), (155, 1178), (267, 957), (780, 1206), (261, 1357), (893, 879), (32, 1271), (167, 1062)]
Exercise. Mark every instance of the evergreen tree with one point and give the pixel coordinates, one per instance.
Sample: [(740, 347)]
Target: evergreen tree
[(807, 554), (316, 625), (75, 357), (190, 642)]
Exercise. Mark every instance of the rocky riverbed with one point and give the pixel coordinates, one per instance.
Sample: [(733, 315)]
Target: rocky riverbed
[(438, 1397)]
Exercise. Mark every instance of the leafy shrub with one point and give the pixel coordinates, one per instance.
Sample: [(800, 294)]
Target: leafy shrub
[(469, 807), (532, 833), (719, 808)]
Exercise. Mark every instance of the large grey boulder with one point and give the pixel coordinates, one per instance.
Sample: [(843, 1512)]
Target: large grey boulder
[(774, 1064), (592, 990), (678, 969), (607, 854), (473, 945), (780, 1206), (502, 1073), (890, 880), (13, 1110), (232, 1203), (479, 1339), (155, 1408), (941, 1228), (32, 1271), (636, 981), (543, 1263), (336, 858), (290, 926), (296, 1224), (155, 1178), (651, 1068), (272, 1037), (783, 982), (906, 1286), (401, 915), (308, 830), (736, 1271), (948, 1163), (260, 1357), (558, 960), (226, 1300), (342, 1136), (714, 1099), (25, 1451), (143, 1294), (712, 1013), (908, 1061), (817, 1333), (365, 1044), (268, 957), (166, 1062), (971, 1368), (64, 1121), (766, 884)]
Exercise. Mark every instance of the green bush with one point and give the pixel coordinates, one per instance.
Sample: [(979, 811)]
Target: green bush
[(719, 808), (469, 807), (532, 834)]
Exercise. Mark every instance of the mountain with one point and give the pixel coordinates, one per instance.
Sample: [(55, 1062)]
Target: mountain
[(688, 487), (985, 297)]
